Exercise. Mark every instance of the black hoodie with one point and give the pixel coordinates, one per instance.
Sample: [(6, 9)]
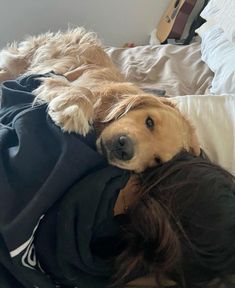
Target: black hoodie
[(56, 198)]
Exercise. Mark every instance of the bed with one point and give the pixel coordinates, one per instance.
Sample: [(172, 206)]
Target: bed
[(203, 74), (206, 87)]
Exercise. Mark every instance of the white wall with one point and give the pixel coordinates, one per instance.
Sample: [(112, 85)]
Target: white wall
[(116, 21)]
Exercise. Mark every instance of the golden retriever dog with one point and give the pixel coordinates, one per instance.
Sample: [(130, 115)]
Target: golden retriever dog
[(135, 130)]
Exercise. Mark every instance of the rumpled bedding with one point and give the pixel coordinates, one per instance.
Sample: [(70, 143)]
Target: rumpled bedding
[(178, 70), (174, 70)]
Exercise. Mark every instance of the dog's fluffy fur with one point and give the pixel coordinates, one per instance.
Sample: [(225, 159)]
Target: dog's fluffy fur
[(90, 90)]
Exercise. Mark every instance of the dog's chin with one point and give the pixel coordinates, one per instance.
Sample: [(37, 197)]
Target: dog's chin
[(122, 164), (104, 151), (101, 148)]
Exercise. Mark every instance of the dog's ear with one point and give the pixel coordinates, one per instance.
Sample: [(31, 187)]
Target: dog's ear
[(194, 144), (131, 102), (168, 102)]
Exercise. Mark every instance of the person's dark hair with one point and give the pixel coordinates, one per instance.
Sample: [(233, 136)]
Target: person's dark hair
[(183, 223)]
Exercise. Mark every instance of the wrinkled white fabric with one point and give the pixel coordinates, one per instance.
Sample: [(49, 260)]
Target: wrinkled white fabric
[(223, 13), (177, 69), (219, 54)]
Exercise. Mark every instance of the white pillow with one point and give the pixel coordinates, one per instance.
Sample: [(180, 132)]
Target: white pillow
[(211, 10), (219, 54), (214, 119), (227, 20), (223, 13), (210, 23)]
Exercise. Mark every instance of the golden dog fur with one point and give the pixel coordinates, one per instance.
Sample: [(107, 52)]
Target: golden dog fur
[(91, 90)]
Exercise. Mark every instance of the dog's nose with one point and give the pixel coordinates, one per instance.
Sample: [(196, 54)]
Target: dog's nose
[(123, 148)]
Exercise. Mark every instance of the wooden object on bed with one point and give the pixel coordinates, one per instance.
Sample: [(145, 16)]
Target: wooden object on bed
[(173, 21)]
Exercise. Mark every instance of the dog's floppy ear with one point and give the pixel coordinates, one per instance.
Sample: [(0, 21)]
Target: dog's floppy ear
[(168, 102), (131, 102), (193, 144)]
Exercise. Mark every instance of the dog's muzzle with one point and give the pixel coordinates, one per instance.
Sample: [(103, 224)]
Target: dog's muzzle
[(120, 147)]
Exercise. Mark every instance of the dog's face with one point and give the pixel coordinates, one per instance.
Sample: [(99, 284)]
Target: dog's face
[(151, 132)]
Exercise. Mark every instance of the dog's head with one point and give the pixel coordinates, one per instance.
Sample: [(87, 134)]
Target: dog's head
[(144, 131)]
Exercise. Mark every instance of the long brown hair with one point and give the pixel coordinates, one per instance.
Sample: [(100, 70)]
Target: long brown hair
[(183, 223)]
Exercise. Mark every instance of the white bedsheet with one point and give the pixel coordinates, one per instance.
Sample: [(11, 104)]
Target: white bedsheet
[(214, 119)]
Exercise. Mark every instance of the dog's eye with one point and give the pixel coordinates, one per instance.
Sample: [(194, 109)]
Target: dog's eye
[(149, 122)]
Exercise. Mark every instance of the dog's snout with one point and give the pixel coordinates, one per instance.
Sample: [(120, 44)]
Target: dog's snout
[(123, 148)]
